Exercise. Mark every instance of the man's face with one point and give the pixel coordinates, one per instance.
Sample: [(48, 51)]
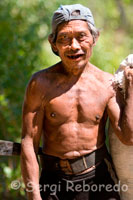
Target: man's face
[(74, 44)]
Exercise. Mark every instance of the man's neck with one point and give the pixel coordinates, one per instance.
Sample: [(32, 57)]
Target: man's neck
[(74, 72)]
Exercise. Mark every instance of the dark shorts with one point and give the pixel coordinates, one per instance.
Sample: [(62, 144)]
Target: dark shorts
[(94, 185)]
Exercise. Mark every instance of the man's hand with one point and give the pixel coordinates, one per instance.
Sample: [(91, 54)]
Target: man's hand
[(128, 72), (123, 76), (129, 75), (120, 110)]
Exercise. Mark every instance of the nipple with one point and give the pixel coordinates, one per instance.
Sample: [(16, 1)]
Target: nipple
[(53, 114), (97, 117)]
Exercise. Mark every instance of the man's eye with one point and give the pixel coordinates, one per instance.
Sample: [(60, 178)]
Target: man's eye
[(82, 35), (65, 37)]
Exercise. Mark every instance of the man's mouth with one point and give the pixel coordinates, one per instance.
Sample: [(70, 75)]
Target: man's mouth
[(75, 56)]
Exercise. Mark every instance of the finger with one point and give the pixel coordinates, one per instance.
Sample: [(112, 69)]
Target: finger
[(126, 70), (128, 74)]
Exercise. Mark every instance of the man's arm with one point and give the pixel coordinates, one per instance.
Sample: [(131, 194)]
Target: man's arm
[(121, 114), (31, 133)]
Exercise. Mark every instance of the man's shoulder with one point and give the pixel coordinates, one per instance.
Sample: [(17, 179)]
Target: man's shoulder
[(41, 81), (38, 86), (42, 76), (43, 73), (102, 75), (106, 76), (104, 80)]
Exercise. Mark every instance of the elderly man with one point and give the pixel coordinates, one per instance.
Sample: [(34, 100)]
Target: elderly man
[(67, 105)]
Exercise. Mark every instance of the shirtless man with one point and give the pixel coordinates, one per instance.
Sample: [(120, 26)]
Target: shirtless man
[(67, 105)]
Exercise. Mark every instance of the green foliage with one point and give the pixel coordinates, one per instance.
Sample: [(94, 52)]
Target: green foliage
[(24, 28)]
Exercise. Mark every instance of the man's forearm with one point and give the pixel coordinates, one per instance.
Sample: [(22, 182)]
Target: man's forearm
[(127, 116), (123, 79), (30, 172)]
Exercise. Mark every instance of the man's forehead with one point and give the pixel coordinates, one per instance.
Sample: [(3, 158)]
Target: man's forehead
[(73, 24)]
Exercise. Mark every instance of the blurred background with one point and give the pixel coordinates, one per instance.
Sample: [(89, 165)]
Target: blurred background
[(24, 49)]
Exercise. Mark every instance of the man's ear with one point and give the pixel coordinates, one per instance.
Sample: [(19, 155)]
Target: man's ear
[(53, 44), (96, 38)]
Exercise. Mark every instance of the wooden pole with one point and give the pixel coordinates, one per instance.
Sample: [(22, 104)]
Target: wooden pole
[(8, 148)]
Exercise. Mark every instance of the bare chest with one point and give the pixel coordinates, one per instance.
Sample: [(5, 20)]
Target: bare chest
[(81, 104)]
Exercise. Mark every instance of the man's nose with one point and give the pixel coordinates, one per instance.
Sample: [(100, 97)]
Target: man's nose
[(75, 44)]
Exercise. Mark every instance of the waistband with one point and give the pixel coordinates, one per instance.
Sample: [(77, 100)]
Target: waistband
[(74, 166)]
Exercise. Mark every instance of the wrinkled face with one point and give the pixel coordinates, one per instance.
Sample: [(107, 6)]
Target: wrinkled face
[(74, 44)]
